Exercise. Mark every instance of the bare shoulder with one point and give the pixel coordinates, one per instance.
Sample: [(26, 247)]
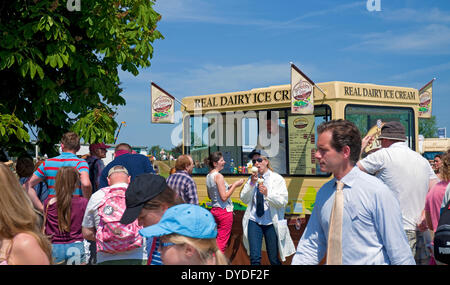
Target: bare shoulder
[(26, 250)]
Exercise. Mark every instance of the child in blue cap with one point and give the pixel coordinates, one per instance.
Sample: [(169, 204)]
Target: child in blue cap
[(188, 236)]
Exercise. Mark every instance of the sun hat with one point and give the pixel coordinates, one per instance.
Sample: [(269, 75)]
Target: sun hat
[(141, 190), (393, 131), (117, 169), (185, 219)]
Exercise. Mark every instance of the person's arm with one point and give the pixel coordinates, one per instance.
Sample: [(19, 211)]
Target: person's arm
[(29, 187), (27, 251), (389, 224), (277, 195), (312, 246), (246, 194), (367, 140), (192, 192), (86, 186), (361, 167), (428, 219), (223, 193), (148, 167), (88, 233)]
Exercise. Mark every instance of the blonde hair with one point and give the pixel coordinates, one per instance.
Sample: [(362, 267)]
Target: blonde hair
[(206, 248), (16, 212), (66, 181), (268, 162)]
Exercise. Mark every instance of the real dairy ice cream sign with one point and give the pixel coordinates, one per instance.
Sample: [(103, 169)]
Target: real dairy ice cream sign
[(425, 97), (302, 92), (162, 105)]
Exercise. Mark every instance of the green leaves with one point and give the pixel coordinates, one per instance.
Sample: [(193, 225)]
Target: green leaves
[(97, 126), (60, 66), (10, 125)]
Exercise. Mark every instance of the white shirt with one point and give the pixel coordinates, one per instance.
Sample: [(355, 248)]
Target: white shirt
[(407, 174), (92, 220)]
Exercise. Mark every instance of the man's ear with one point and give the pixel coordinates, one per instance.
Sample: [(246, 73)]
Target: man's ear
[(346, 151)]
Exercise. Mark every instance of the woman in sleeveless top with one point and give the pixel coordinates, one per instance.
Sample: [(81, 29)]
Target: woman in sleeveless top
[(21, 239), (220, 192)]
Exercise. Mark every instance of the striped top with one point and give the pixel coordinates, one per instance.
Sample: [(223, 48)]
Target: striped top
[(48, 169)]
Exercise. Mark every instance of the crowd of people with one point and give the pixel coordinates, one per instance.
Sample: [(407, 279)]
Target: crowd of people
[(375, 210)]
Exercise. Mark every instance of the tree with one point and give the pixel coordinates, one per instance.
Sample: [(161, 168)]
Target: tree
[(427, 127), (155, 150), (57, 66)]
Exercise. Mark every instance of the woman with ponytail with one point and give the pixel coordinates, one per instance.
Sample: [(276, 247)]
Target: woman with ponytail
[(63, 217), (188, 236)]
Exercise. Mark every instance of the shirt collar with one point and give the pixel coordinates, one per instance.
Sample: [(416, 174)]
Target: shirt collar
[(350, 177), (267, 174), (68, 154), (125, 185)]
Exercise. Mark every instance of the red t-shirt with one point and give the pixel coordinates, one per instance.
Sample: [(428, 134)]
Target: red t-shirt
[(76, 212)]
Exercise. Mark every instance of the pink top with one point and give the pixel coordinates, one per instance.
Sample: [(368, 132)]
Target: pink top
[(434, 200)]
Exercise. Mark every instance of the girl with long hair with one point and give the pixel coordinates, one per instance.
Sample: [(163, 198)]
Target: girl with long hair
[(220, 192), (21, 238), (64, 215)]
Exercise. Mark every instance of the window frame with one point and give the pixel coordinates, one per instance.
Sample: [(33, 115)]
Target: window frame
[(411, 124), (328, 115)]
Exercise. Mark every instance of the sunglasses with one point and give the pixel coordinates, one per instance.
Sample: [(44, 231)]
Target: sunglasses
[(166, 244), (257, 160)]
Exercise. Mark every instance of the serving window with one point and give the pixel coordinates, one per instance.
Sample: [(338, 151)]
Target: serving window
[(287, 139), (370, 119)]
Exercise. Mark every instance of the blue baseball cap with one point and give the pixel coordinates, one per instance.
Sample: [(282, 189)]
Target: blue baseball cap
[(185, 219)]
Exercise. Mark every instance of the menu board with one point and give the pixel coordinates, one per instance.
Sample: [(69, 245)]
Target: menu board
[(301, 145)]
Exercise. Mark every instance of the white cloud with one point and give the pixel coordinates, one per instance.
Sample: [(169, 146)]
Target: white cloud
[(433, 15), (209, 78), (430, 71), (204, 12), (433, 38)]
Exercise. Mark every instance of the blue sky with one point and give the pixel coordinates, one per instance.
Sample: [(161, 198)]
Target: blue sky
[(224, 46)]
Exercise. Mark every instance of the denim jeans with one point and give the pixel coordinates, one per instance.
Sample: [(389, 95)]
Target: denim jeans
[(255, 237), (69, 253)]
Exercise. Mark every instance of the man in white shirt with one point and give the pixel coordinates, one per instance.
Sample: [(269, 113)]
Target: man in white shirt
[(407, 174), (117, 177)]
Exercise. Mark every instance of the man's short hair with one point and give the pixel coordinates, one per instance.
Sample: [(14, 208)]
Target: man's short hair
[(71, 141), (343, 133), (182, 162), (123, 146)]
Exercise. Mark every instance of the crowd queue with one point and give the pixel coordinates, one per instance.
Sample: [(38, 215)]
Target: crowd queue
[(381, 209)]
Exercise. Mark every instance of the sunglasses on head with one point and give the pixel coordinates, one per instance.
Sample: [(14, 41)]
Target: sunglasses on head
[(257, 160)]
